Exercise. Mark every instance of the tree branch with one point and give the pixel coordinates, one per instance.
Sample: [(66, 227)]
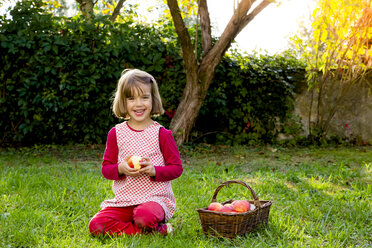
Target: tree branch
[(229, 34), (205, 25), (117, 10), (86, 7), (183, 34), (248, 18)]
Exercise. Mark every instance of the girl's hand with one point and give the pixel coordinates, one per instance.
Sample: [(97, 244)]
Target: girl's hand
[(147, 167), (124, 168)]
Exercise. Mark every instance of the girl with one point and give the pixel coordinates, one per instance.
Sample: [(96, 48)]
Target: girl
[(144, 199)]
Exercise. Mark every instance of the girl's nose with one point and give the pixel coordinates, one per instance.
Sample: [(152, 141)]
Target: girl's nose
[(138, 101)]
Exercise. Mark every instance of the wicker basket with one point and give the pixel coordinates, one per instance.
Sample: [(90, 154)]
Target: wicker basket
[(229, 225)]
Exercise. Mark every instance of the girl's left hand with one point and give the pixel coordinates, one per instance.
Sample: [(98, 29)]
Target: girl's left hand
[(148, 167)]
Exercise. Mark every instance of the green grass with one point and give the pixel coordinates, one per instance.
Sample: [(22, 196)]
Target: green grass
[(322, 197)]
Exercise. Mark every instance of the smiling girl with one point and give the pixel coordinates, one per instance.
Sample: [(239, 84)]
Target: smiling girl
[(144, 200)]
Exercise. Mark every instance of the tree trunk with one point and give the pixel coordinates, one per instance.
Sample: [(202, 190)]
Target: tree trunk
[(86, 7), (198, 81), (200, 75), (187, 113)]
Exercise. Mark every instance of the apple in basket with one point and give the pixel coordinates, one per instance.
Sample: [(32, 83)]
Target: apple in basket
[(241, 206), (227, 208), (133, 162), (215, 206)]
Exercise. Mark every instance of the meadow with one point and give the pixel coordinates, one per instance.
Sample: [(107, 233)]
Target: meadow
[(322, 197)]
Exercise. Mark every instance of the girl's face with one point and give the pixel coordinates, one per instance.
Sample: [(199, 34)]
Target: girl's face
[(139, 107)]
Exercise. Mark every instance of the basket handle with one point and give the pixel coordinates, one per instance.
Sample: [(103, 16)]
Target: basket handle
[(257, 202)]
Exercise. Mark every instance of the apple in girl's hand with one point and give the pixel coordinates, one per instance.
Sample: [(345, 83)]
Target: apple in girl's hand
[(133, 162), (215, 206), (241, 206), (227, 208)]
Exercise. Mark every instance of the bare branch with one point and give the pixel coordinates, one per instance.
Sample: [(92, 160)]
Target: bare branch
[(183, 34), (231, 31), (205, 25), (117, 10), (248, 18)]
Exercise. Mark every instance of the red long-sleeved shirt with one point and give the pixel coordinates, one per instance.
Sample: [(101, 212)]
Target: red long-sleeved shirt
[(168, 147)]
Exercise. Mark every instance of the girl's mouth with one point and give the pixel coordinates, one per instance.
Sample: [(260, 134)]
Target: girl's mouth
[(139, 112)]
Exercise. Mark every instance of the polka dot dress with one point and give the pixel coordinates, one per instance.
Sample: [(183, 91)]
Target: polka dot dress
[(136, 190)]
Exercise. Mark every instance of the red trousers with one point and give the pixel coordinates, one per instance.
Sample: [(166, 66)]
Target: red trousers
[(137, 219)]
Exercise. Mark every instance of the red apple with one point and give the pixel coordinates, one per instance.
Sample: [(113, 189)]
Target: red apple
[(133, 162), (227, 208), (215, 206), (241, 206)]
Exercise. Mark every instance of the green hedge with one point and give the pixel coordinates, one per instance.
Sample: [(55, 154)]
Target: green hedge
[(58, 75), (252, 99)]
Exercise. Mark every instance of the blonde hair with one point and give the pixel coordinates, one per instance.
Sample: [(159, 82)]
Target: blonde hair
[(129, 83)]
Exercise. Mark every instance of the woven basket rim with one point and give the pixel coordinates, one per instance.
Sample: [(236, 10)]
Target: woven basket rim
[(265, 204)]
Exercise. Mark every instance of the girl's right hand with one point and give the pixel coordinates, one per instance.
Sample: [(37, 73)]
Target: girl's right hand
[(124, 169)]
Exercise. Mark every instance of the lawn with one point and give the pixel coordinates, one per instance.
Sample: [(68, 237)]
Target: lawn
[(322, 197)]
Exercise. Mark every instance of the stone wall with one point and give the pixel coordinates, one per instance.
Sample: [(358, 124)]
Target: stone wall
[(355, 110)]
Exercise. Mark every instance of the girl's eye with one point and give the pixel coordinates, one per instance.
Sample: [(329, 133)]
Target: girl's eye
[(130, 98)]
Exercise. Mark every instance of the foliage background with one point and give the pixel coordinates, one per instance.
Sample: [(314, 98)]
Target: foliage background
[(57, 77)]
